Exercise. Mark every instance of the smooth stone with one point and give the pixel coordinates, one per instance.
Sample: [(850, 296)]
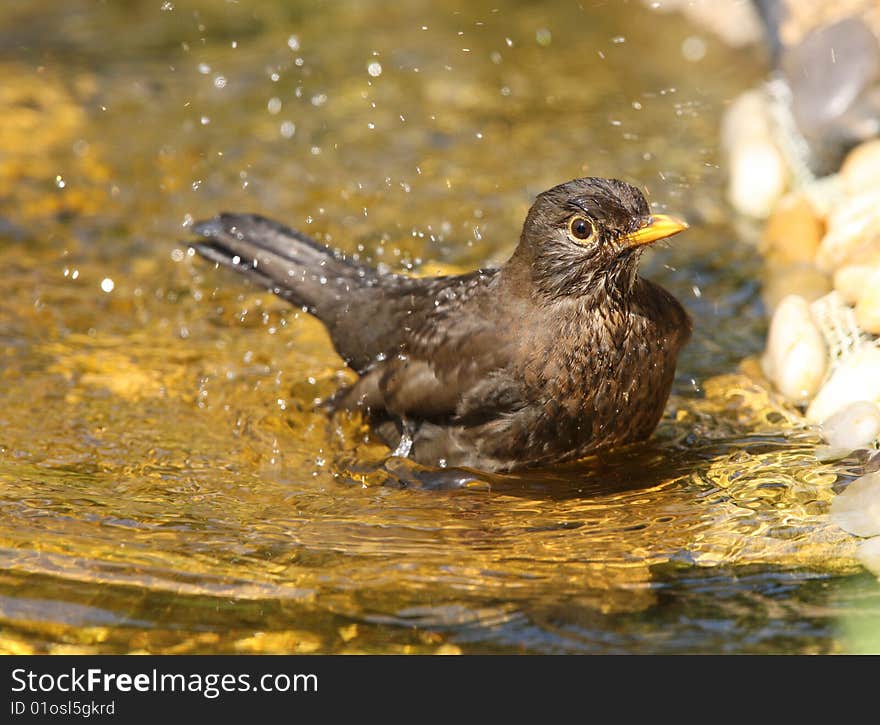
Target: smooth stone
[(856, 378), (861, 168), (758, 177), (856, 509), (802, 279), (796, 357), (850, 281), (832, 74), (793, 231), (853, 233), (852, 428), (868, 555), (745, 118), (757, 174), (868, 306), (736, 23), (826, 454)]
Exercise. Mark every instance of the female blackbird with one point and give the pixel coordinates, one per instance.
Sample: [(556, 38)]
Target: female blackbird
[(562, 351)]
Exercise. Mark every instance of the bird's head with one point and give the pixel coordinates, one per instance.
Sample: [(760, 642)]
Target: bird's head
[(586, 236)]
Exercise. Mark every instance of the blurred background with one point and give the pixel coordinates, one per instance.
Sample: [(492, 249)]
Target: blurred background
[(167, 486)]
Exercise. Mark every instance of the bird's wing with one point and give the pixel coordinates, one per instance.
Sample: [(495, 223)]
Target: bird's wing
[(378, 319), (454, 360), (462, 376)]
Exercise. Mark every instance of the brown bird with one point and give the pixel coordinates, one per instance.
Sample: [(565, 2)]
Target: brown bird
[(562, 351)]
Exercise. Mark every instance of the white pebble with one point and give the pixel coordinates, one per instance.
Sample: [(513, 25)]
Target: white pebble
[(852, 428), (861, 169), (856, 378), (757, 178), (868, 554), (857, 509), (851, 280), (757, 171), (745, 118), (853, 233), (796, 357), (868, 305)]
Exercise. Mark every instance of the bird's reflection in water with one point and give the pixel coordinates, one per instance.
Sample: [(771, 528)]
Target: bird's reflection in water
[(629, 468)]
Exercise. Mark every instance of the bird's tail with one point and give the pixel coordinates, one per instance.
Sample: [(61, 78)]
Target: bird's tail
[(291, 264)]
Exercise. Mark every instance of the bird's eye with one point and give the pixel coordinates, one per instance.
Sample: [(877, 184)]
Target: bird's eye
[(581, 228)]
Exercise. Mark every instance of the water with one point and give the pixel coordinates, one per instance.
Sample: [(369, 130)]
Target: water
[(165, 482)]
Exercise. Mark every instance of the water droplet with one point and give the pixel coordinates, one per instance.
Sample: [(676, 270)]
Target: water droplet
[(618, 39), (544, 37), (693, 48), (167, 7), (288, 128), (60, 182), (107, 284), (204, 69), (219, 82), (375, 69), (204, 120), (274, 105), (293, 42), (319, 99)]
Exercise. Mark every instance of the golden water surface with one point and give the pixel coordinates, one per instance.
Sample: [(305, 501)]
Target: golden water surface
[(165, 482)]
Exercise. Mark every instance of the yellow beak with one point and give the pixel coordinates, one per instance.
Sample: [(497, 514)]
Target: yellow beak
[(658, 226)]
